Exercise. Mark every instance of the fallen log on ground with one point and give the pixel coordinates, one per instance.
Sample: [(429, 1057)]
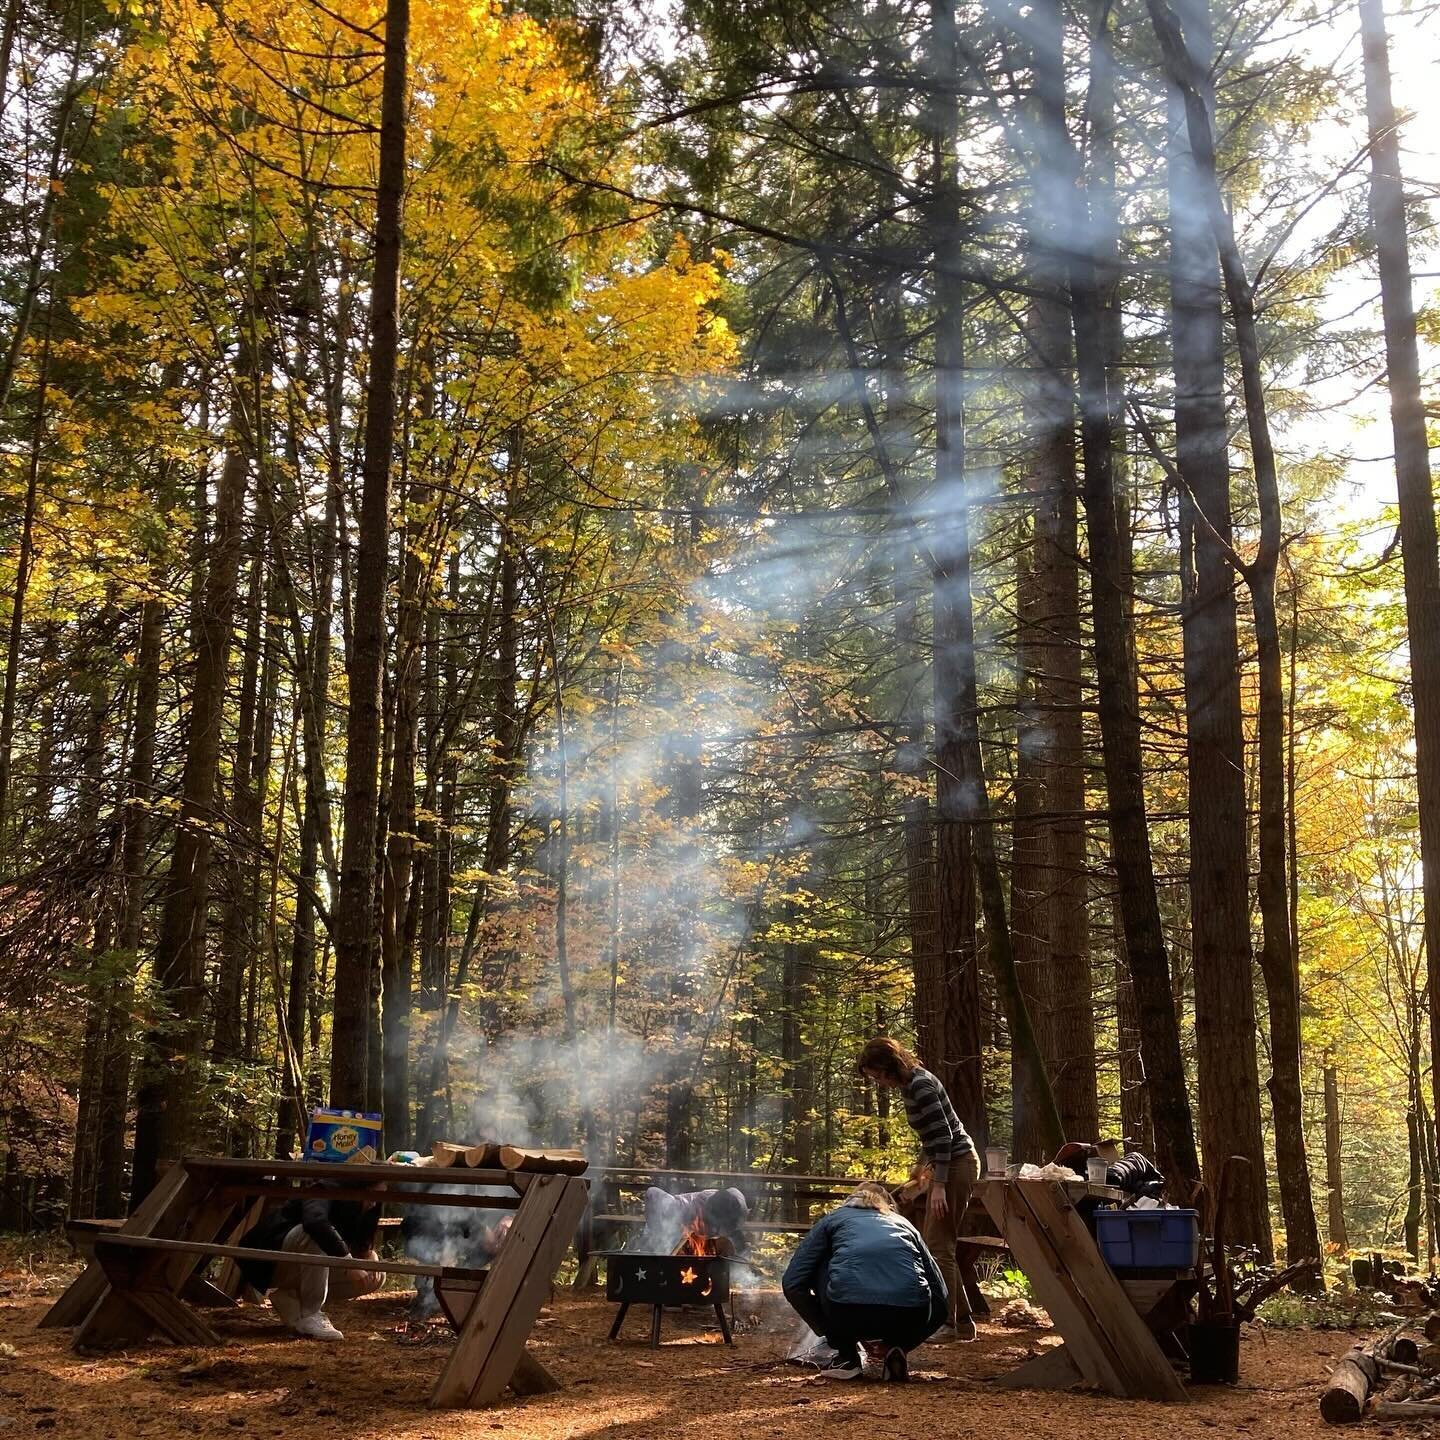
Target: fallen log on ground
[(1358, 1373), (1407, 1409)]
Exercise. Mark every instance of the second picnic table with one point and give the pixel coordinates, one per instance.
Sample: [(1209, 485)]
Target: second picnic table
[(1108, 1342), (144, 1275)]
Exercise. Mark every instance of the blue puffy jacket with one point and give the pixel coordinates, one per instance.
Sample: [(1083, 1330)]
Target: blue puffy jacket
[(857, 1256)]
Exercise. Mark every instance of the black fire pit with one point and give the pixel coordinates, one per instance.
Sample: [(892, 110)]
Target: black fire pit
[(661, 1280)]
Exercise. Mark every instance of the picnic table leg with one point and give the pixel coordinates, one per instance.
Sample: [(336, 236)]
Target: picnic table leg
[(488, 1348), (85, 1290), (970, 1278), (530, 1376), (1052, 1369), (228, 1278), (1106, 1339), (584, 1244), (191, 1210)]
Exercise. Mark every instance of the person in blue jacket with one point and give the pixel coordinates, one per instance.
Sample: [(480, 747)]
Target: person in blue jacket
[(863, 1276)]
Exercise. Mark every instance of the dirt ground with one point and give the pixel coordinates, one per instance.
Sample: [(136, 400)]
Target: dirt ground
[(263, 1383)]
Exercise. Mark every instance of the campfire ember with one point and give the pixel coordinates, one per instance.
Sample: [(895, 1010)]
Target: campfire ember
[(415, 1333)]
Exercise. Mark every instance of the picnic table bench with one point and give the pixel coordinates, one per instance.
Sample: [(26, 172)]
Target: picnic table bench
[(139, 1279), (1115, 1331)]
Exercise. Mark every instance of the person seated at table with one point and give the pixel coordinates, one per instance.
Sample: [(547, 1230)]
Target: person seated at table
[(720, 1213), (313, 1226), (863, 1276), (1131, 1172)]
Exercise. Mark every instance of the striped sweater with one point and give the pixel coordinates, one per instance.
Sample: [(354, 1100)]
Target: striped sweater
[(932, 1117)]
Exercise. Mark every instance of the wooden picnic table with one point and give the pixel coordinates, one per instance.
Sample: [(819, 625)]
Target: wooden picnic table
[(144, 1272), (1108, 1342)]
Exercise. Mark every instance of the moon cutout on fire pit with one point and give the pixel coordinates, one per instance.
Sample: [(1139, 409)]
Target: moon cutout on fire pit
[(709, 1288)]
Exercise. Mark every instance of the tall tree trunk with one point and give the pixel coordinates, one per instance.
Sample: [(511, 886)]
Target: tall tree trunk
[(1229, 1084), (1334, 1165), (396, 951), (1118, 688), (1060, 742), (24, 566), (1412, 1186), (134, 846), (1135, 1125), (100, 980), (503, 769), (1412, 470), (1101, 192), (238, 931), (963, 802), (1029, 853), (170, 1079), (1277, 956), (355, 949)]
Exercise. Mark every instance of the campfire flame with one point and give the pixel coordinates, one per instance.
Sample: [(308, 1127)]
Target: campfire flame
[(696, 1240)]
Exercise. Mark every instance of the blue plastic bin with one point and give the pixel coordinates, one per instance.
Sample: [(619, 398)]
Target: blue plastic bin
[(1148, 1239)]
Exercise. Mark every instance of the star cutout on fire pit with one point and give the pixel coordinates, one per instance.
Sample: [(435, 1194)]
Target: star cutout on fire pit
[(639, 1274), (687, 1276)]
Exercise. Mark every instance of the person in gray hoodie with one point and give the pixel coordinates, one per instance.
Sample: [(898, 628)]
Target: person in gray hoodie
[(863, 1276)]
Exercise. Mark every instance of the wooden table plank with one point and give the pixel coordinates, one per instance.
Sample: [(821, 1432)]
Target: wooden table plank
[(120, 1243), (379, 1193), (224, 1169)]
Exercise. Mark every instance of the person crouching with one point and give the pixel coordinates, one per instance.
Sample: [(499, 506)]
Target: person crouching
[(299, 1293), (863, 1276)]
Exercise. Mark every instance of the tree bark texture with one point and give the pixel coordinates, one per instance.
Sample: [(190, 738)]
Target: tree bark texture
[(1228, 1078), (1277, 956), (166, 1101), (1334, 1165), (1412, 467), (355, 938)]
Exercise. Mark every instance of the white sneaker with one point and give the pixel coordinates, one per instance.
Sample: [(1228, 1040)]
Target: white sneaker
[(316, 1327), (287, 1306)]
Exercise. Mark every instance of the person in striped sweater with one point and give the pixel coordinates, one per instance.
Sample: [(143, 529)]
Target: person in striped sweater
[(948, 1151)]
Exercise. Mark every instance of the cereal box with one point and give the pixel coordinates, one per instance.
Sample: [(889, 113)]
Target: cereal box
[(343, 1136)]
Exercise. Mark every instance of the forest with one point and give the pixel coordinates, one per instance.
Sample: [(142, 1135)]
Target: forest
[(566, 564)]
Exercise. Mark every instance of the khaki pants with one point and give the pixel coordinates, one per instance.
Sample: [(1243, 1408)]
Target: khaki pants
[(941, 1232)]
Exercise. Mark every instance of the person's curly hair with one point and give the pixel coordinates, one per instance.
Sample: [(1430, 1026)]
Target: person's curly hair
[(889, 1057)]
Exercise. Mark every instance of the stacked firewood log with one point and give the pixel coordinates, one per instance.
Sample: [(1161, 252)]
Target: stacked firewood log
[(445, 1154)]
